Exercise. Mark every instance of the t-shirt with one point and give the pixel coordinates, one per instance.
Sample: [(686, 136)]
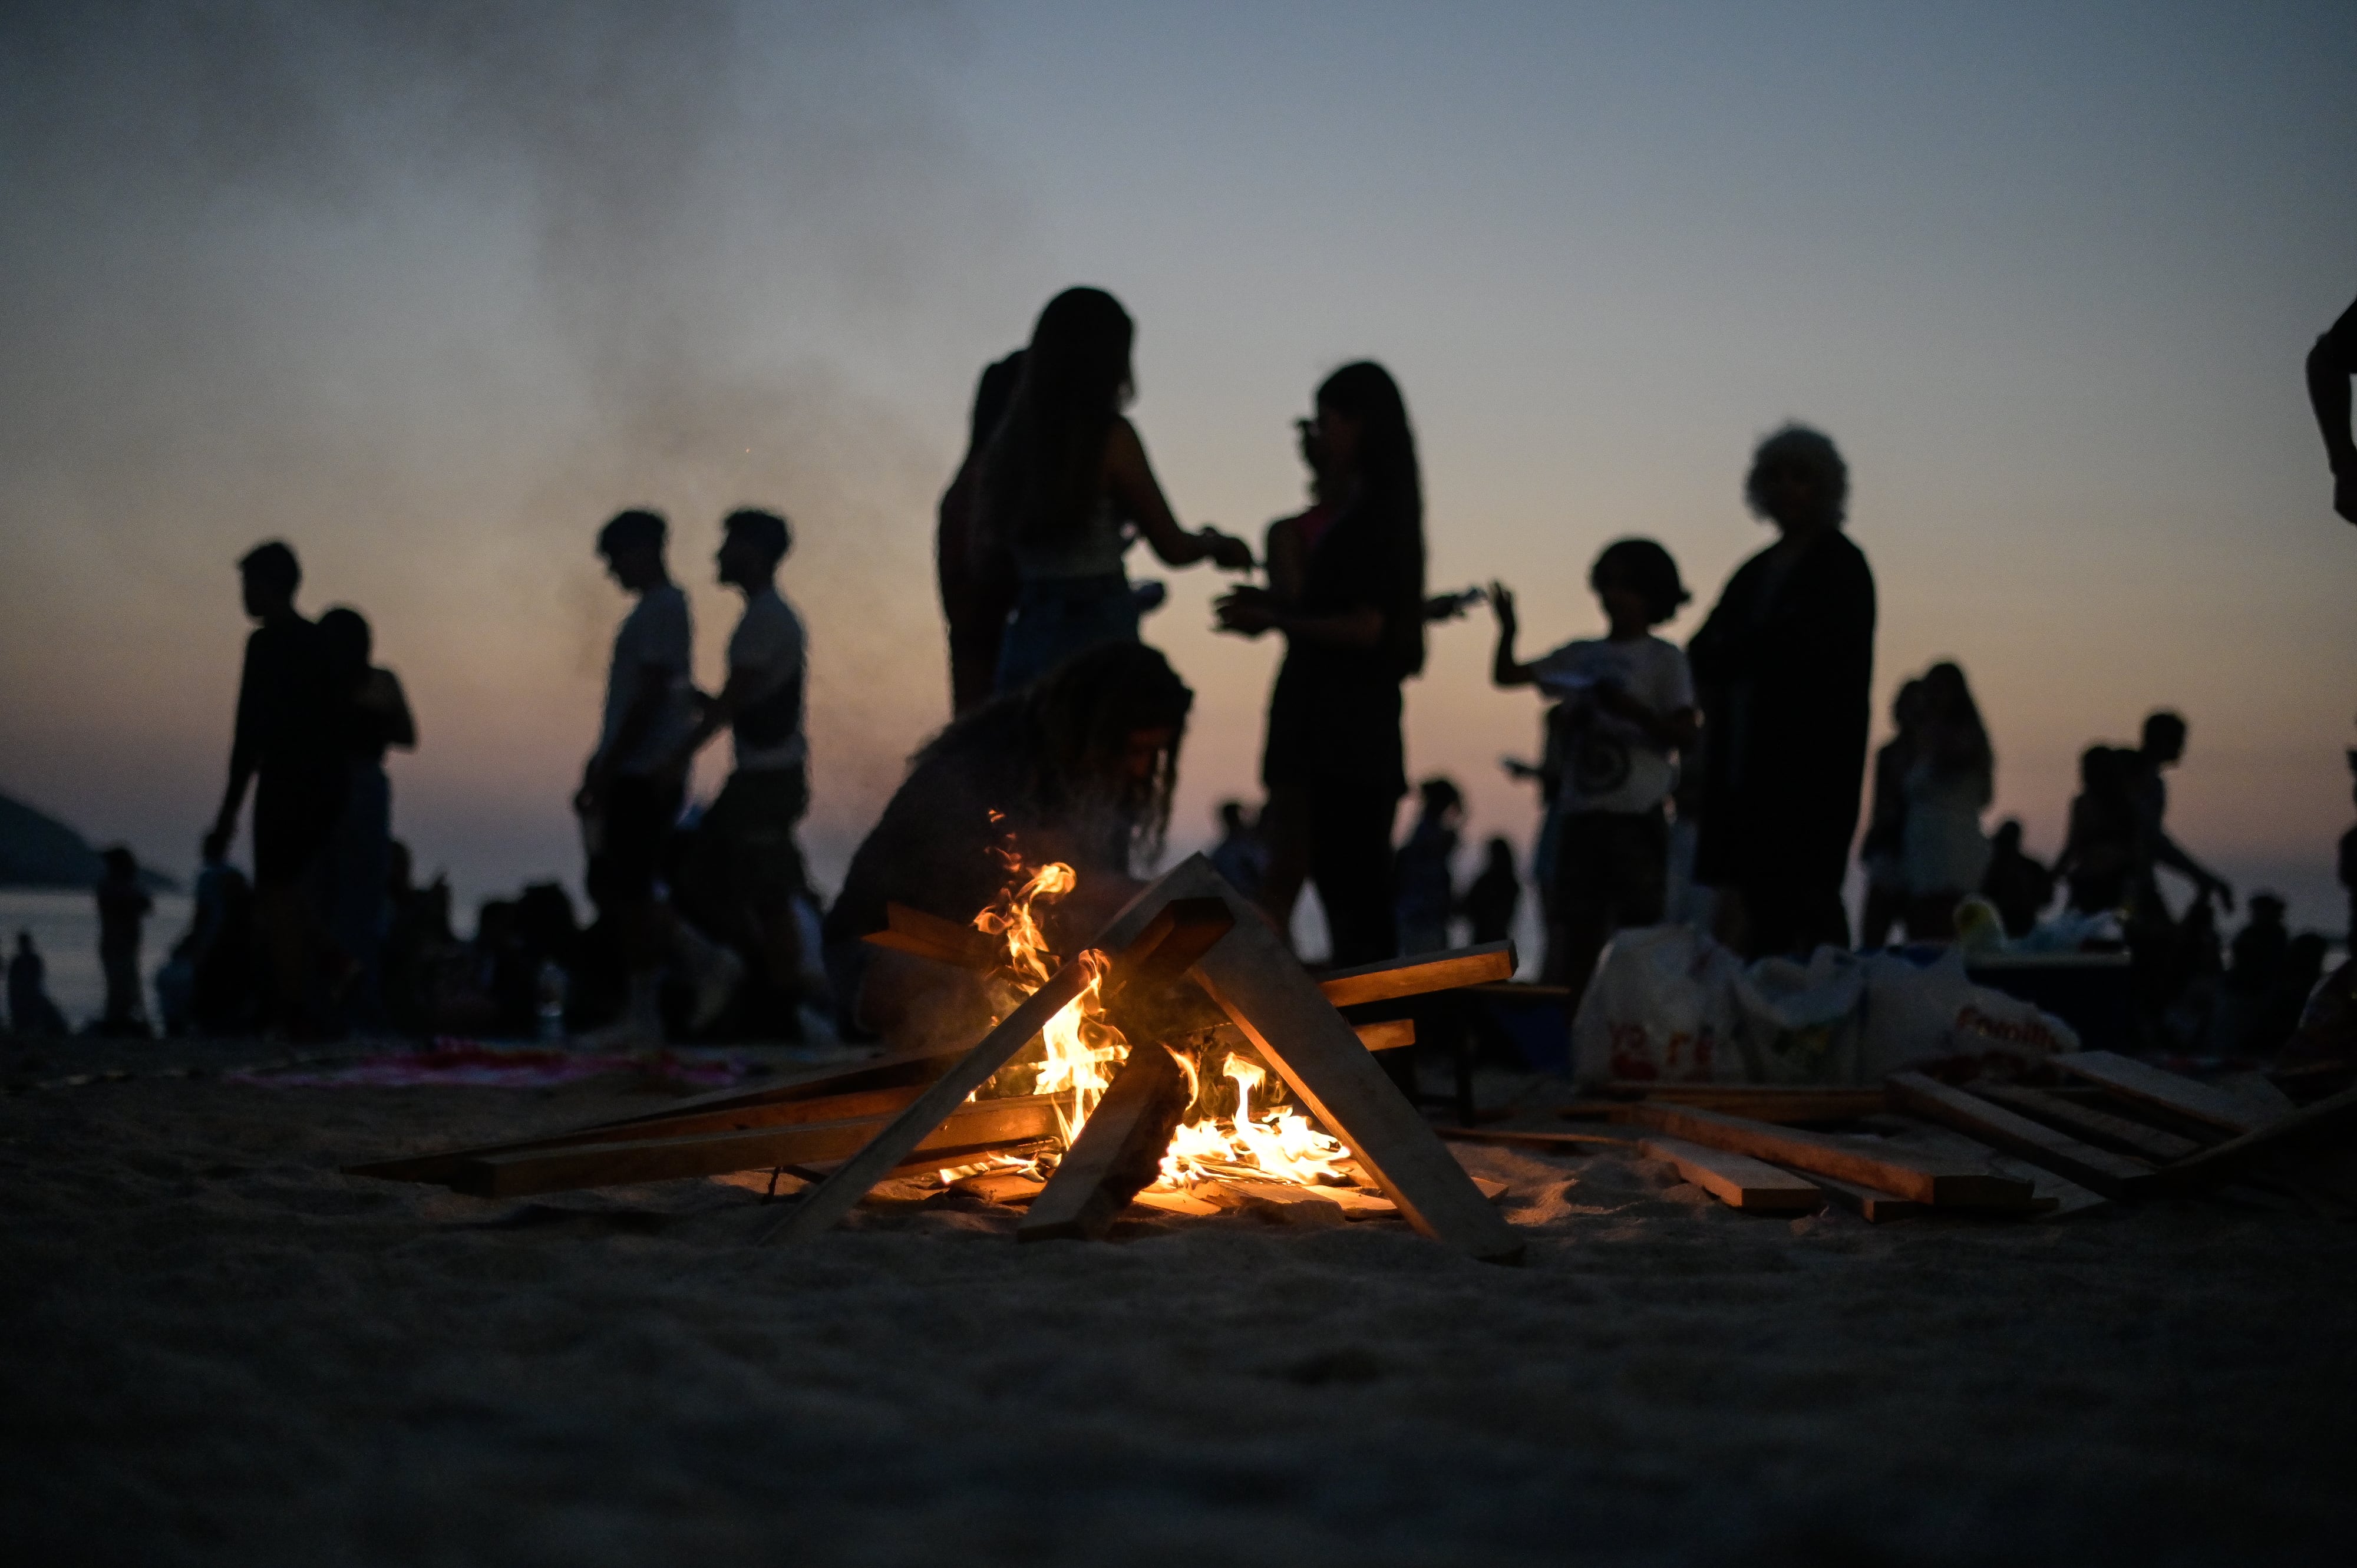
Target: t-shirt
[(1614, 766), (770, 645), (655, 645)]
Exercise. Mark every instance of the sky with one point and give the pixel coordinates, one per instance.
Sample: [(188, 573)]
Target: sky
[(430, 292)]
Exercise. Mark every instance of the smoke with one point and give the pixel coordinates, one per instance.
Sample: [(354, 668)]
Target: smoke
[(430, 291)]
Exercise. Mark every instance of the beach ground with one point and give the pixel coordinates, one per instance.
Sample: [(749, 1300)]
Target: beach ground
[(219, 1349)]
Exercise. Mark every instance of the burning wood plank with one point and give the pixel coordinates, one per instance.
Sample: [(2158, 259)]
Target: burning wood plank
[(1168, 942), (1117, 1154), (1902, 1172), (2098, 1170), (971, 1131)]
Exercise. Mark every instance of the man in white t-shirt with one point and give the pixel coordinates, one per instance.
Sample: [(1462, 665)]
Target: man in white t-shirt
[(1631, 707), (747, 864), (634, 785)]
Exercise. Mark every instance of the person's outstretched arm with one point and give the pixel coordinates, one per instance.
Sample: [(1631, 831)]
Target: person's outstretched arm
[(2168, 852), (1505, 669), (1139, 497), (2329, 365)]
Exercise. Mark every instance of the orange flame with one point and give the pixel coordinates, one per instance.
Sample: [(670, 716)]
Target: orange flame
[(1274, 1143)]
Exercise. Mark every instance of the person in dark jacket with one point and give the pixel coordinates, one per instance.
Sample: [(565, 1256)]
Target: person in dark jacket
[(1785, 664), (1334, 763)]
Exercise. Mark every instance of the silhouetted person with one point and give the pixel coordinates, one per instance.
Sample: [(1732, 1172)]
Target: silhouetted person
[(2098, 856), (31, 1013), (1063, 481), (123, 906), (418, 933), (977, 584), (2017, 882), (1629, 701), (286, 745), (374, 714), (1240, 856), (1949, 784), (2329, 365), (1883, 851), (1334, 765), (1425, 871), (1785, 664), (1077, 768), (634, 784), (1491, 902), (2163, 748), (748, 860)]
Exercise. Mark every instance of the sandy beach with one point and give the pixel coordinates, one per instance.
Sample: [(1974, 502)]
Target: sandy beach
[(222, 1349)]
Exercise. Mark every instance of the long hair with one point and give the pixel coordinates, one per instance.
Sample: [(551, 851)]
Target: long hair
[(1073, 727), (1041, 470), (1948, 701), (1391, 486)]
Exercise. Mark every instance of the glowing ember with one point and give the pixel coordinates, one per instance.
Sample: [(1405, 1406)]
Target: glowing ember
[(1261, 1139)]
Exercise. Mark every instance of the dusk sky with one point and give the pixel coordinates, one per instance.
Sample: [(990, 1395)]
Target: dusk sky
[(431, 292)]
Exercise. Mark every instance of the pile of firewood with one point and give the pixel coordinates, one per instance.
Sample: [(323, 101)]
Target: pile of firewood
[(2121, 1128)]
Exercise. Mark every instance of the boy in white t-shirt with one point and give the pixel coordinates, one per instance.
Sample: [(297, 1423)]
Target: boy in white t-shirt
[(1630, 702)]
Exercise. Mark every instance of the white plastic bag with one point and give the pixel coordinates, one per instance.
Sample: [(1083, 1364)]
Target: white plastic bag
[(1661, 1008), (1922, 1011), (1801, 1020)]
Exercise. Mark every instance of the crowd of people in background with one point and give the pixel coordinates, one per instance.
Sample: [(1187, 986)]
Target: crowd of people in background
[(1718, 783)]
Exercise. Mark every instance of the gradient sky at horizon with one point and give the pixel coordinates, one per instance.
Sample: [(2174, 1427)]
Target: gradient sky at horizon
[(430, 294)]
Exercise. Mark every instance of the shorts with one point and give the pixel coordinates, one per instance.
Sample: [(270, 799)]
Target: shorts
[(1612, 866), (632, 824)]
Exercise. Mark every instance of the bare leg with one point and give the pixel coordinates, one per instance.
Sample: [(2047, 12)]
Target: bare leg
[(1284, 824)]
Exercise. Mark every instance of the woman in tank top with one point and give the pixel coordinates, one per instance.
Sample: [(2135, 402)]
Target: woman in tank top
[(1064, 483)]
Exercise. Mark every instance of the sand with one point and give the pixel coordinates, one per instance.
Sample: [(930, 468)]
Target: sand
[(217, 1349)]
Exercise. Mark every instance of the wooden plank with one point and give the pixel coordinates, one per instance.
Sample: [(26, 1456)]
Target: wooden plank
[(2329, 1121), (2089, 1122), (2170, 1091), (824, 1206), (1760, 1101), (973, 946), (443, 1169), (1544, 1142), (2098, 1170), (1117, 1154), (1901, 1172), (1738, 1180), (986, 1124), (1257, 982), (1142, 966), (1394, 977), (1388, 1035), (1877, 1208)]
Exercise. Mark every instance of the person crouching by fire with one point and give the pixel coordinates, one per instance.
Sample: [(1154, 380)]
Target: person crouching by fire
[(1077, 768)]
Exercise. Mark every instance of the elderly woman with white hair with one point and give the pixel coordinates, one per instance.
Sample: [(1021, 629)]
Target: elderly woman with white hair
[(1782, 667)]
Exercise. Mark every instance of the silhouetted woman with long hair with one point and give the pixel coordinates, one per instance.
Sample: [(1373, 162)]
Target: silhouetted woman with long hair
[(1065, 480), (1948, 785), (1334, 765)]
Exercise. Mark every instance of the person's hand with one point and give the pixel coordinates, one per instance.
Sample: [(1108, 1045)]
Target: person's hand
[(1502, 604), (1227, 550), (2345, 493), (1245, 611)]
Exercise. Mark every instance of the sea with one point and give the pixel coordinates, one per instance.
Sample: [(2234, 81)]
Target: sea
[(63, 923)]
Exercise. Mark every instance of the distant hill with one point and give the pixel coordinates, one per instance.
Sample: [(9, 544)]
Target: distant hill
[(39, 851)]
